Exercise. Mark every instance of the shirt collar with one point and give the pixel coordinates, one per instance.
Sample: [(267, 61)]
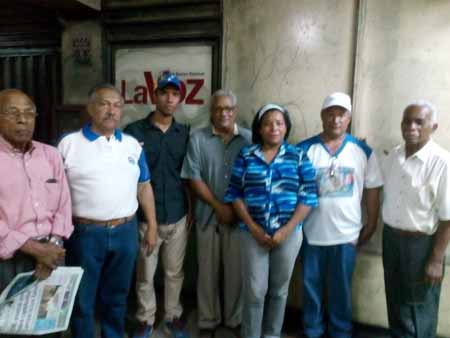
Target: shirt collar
[(257, 151), (339, 150), (235, 130), (175, 125), (92, 136), (423, 153), (8, 147)]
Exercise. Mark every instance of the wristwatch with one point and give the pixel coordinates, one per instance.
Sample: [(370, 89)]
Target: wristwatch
[(56, 240)]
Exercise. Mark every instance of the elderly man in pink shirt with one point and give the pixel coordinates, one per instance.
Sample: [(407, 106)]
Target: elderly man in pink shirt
[(35, 206)]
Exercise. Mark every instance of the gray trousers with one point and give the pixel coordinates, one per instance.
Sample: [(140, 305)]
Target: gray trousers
[(412, 304), (218, 244), (266, 277), (8, 270)]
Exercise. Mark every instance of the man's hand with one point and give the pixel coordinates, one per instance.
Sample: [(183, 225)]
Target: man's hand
[(225, 214), (365, 234), (151, 239), (262, 237), (280, 236), (190, 220), (42, 271), (50, 255), (434, 272)]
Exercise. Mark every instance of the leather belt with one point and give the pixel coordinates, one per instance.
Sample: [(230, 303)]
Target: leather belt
[(108, 224)]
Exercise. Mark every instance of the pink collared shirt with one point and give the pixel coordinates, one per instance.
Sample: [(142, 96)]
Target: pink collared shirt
[(34, 196)]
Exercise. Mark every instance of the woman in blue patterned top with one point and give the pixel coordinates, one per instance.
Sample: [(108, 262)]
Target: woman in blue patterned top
[(272, 189)]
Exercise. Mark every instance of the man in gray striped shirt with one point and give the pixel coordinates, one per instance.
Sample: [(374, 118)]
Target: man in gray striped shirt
[(207, 165)]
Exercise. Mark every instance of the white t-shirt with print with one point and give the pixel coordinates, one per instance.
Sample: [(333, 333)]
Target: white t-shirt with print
[(341, 179)]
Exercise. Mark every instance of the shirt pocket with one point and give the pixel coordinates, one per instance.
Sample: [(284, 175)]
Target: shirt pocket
[(53, 194), (422, 196)]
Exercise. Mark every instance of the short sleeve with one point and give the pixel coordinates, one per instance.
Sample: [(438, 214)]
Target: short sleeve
[(143, 168), (373, 177), (443, 194), (308, 191), (236, 185), (192, 165)]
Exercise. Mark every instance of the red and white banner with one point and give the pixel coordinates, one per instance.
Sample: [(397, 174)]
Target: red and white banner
[(137, 70)]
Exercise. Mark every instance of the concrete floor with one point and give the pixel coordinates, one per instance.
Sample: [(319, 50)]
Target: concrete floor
[(290, 329)]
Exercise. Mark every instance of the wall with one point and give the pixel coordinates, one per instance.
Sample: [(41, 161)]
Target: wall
[(78, 78), (288, 52), (295, 52), (403, 54)]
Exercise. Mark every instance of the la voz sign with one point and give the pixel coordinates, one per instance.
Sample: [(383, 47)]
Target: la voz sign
[(191, 85)]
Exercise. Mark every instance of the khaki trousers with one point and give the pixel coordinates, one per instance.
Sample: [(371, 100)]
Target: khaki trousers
[(171, 243), (218, 244)]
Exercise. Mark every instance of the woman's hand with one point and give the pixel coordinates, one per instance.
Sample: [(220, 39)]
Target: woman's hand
[(261, 237), (280, 235)]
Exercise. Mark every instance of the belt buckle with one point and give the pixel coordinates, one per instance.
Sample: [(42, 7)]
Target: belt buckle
[(109, 225)]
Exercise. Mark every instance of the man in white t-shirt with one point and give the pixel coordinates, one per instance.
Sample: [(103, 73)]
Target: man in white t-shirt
[(416, 213), (346, 167)]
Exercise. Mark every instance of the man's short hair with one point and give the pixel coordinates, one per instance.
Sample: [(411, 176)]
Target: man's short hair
[(425, 104), (5, 92), (92, 94), (223, 92)]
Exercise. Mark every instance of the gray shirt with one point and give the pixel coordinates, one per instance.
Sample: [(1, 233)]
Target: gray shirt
[(209, 159)]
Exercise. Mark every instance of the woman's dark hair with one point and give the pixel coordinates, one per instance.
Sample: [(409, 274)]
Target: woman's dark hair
[(257, 120)]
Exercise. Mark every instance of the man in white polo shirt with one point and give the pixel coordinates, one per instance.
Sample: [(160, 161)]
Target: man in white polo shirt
[(107, 175), (346, 167), (416, 213)]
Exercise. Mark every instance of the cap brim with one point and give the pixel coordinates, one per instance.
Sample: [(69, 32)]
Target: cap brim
[(169, 83)]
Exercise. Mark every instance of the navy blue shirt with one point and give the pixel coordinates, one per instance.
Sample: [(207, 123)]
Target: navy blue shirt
[(165, 153)]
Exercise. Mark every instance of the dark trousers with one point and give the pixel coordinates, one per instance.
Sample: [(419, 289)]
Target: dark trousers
[(328, 268), (412, 304), (107, 256), (8, 270)]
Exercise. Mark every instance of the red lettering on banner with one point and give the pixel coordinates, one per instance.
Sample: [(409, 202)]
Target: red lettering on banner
[(140, 96), (123, 92), (142, 93), (198, 84), (150, 85), (182, 91)]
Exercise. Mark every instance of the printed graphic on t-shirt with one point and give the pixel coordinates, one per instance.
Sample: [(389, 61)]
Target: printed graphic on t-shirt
[(337, 182)]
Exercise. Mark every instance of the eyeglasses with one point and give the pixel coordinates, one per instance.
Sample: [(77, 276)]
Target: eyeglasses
[(17, 114), (224, 109)]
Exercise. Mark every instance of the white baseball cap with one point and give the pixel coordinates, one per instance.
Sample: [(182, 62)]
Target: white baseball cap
[(338, 99)]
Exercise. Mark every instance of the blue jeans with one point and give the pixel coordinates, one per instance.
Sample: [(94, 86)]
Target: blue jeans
[(328, 268), (412, 304), (266, 275), (107, 256)]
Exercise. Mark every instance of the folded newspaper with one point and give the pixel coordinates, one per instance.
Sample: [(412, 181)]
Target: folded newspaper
[(32, 307)]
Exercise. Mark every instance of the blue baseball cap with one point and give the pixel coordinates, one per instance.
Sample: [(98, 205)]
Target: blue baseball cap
[(168, 79)]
